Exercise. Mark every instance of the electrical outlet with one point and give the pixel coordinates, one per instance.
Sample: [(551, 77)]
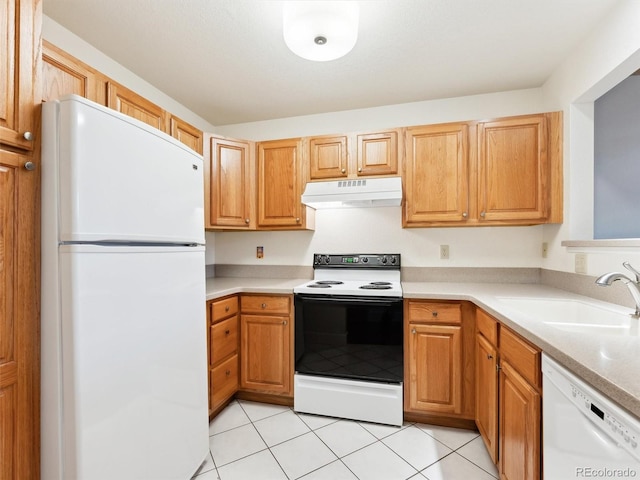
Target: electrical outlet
[(444, 252), (581, 263), (545, 249)]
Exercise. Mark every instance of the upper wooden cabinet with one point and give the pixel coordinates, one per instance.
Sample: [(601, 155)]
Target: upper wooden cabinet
[(328, 157), (280, 184), (436, 174), (130, 103), (501, 172), (185, 133), (377, 153), (513, 175), (229, 190), (63, 75), (353, 155), (19, 50)]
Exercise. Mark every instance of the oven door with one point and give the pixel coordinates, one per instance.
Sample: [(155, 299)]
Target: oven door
[(351, 337)]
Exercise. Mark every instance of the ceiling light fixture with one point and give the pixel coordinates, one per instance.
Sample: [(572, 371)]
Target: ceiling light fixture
[(320, 30)]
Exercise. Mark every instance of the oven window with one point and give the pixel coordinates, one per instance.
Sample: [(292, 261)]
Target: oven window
[(352, 337)]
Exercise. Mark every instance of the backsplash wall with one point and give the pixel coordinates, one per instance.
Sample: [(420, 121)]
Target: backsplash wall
[(379, 230)]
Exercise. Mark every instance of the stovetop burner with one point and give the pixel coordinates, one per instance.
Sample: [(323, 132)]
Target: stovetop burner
[(329, 282), (318, 285), (376, 286)]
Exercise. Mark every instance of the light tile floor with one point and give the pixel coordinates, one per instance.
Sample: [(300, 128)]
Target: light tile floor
[(251, 440)]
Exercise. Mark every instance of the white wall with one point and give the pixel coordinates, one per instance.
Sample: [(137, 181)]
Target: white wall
[(74, 45), (609, 54)]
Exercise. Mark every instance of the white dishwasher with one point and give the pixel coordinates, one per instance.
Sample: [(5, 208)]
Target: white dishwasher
[(585, 435)]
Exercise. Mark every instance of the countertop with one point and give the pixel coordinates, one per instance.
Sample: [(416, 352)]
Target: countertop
[(608, 362)]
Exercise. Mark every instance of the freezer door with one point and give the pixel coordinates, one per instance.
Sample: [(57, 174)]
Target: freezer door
[(134, 362), (121, 180)]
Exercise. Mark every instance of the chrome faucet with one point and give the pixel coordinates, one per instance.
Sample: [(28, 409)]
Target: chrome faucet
[(633, 284)]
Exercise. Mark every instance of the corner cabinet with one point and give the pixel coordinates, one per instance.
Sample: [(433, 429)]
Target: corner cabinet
[(438, 344), (508, 399), (229, 185), (266, 344), (280, 174), (506, 171)]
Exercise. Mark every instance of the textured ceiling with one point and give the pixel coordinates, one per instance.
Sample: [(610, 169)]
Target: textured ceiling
[(226, 59)]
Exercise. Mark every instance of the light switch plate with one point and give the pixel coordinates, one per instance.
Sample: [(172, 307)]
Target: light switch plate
[(581, 263), (444, 252)]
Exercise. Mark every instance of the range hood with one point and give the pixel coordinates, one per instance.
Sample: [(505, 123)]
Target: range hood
[(365, 192)]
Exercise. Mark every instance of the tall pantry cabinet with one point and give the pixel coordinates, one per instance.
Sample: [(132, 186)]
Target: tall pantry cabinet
[(19, 239)]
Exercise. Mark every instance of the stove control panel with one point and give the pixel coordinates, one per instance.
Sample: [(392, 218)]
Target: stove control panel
[(358, 260)]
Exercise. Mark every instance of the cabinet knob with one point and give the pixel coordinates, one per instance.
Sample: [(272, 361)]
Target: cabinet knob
[(360, 169), (435, 314), (29, 166), (489, 356), (465, 214), (226, 309), (284, 322), (343, 170), (227, 332), (482, 214), (227, 373), (246, 220), (297, 219), (413, 330), (264, 305), (28, 136)]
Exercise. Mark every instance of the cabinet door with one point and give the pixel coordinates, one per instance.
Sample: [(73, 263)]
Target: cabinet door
[(436, 184), (265, 353), (279, 184), (64, 75), (20, 35), (328, 157), (229, 182), (130, 103), (186, 133), (513, 174), (435, 368), (19, 319), (519, 427), (378, 153), (487, 394)]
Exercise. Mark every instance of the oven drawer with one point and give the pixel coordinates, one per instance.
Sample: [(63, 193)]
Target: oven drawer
[(434, 312), (224, 339), (266, 304)]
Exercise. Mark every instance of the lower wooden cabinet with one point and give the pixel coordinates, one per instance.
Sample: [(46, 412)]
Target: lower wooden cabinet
[(438, 360), (266, 344), (223, 350), (508, 399)]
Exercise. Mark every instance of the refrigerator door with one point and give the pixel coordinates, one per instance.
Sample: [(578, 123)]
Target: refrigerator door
[(133, 363), (121, 180)]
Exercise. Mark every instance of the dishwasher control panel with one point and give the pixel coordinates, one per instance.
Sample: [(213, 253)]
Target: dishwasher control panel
[(614, 424)]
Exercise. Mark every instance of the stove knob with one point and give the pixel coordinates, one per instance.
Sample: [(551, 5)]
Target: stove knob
[(393, 260), (327, 259), (384, 259), (365, 259)]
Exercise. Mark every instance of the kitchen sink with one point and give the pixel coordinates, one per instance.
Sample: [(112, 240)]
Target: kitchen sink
[(576, 315)]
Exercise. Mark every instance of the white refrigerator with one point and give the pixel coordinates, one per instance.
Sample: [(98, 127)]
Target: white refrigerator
[(123, 323)]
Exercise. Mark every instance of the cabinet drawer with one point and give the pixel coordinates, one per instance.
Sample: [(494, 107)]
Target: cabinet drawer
[(224, 339), (224, 381), (433, 312), (265, 304), (487, 326), (224, 308), (521, 355)]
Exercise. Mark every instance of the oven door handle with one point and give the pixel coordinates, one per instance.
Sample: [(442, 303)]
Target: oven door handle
[(377, 301)]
